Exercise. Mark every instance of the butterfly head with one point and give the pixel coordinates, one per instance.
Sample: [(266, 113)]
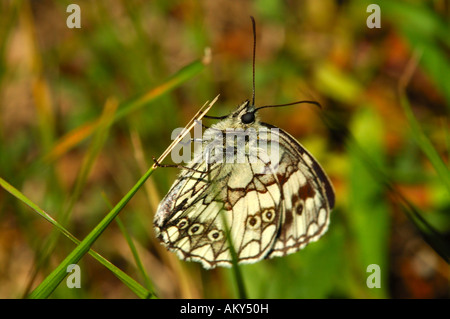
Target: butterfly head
[(248, 117), (245, 114)]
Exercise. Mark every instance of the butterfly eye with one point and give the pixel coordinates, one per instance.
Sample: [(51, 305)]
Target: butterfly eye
[(196, 229), (248, 118)]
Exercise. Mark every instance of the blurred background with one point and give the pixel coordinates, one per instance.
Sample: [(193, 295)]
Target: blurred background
[(141, 65)]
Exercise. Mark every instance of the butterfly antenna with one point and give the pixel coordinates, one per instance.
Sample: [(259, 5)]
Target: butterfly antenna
[(254, 53)]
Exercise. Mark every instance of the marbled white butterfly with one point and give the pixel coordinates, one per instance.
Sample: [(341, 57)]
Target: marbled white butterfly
[(263, 207)]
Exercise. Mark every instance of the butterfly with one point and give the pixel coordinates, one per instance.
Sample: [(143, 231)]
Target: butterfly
[(267, 204)]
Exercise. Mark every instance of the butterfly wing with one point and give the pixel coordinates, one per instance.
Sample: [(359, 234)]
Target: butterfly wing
[(271, 209), (190, 219), (308, 197)]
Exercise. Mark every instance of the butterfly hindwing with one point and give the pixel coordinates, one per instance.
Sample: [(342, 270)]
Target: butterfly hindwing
[(308, 197)]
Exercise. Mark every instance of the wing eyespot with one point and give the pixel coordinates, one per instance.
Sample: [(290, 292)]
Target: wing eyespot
[(298, 209), (253, 222), (215, 235), (196, 229), (268, 215), (183, 223)]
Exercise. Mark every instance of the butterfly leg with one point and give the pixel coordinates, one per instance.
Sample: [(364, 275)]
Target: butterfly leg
[(177, 166)]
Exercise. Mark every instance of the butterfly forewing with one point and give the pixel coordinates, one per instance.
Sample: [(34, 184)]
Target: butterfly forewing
[(190, 219)]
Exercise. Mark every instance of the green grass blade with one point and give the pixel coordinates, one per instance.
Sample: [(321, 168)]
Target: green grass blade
[(76, 136), (95, 146), (54, 279), (174, 81), (447, 139), (137, 259), (92, 153), (242, 293), (127, 280), (369, 207), (381, 177), (439, 243), (132, 246)]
